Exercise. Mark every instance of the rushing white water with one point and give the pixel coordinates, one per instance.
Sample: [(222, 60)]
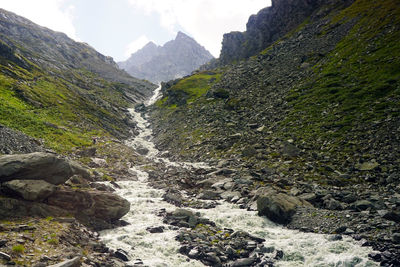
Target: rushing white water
[(156, 95), (161, 249), (158, 249), (143, 140), (300, 249)]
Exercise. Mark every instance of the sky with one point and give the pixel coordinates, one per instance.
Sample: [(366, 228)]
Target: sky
[(119, 28)]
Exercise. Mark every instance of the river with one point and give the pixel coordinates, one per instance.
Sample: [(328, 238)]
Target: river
[(161, 249)]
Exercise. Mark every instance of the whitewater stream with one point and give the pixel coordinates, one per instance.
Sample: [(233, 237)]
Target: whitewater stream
[(161, 249)]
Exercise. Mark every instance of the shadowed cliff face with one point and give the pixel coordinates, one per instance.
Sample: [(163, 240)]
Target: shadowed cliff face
[(270, 24)]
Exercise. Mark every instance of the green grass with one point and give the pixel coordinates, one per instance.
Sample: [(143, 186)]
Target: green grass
[(43, 122), (189, 89), (65, 113), (360, 81), (18, 249)]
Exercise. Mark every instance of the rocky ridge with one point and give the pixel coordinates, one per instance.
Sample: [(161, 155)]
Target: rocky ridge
[(175, 59), (26, 42), (271, 24)]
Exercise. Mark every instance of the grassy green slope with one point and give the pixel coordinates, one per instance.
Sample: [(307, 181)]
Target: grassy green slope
[(45, 107), (62, 112), (358, 82), (189, 90), (59, 90)]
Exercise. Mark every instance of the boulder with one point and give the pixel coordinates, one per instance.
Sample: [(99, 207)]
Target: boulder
[(279, 207), (231, 195), (290, 150), (30, 189), (121, 254), (367, 166), (5, 256), (39, 166), (98, 162), (87, 204), (207, 183), (209, 195), (362, 205), (392, 215), (183, 213), (11, 207)]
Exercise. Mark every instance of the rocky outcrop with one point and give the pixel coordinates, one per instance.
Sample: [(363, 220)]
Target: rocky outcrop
[(175, 59), (29, 189), (33, 177), (269, 25), (39, 166), (93, 208)]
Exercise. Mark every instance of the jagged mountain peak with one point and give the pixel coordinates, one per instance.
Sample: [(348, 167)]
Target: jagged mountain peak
[(150, 44), (182, 36), (176, 58)]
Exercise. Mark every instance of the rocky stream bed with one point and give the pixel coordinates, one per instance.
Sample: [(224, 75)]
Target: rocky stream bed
[(189, 214), (177, 214)]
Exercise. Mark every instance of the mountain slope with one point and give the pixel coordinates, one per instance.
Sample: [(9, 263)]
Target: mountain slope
[(332, 79), (175, 59), (60, 90), (315, 113)]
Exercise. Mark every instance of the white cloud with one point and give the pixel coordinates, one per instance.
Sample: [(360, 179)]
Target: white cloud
[(136, 45), (205, 20), (52, 14)]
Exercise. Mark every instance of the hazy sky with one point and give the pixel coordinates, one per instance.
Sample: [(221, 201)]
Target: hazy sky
[(118, 28)]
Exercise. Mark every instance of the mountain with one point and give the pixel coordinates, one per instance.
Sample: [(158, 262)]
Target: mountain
[(59, 90), (175, 59), (269, 25), (306, 101)]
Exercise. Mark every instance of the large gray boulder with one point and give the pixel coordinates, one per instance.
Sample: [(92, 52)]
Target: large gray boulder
[(90, 204), (11, 207), (30, 189), (39, 166), (279, 207)]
